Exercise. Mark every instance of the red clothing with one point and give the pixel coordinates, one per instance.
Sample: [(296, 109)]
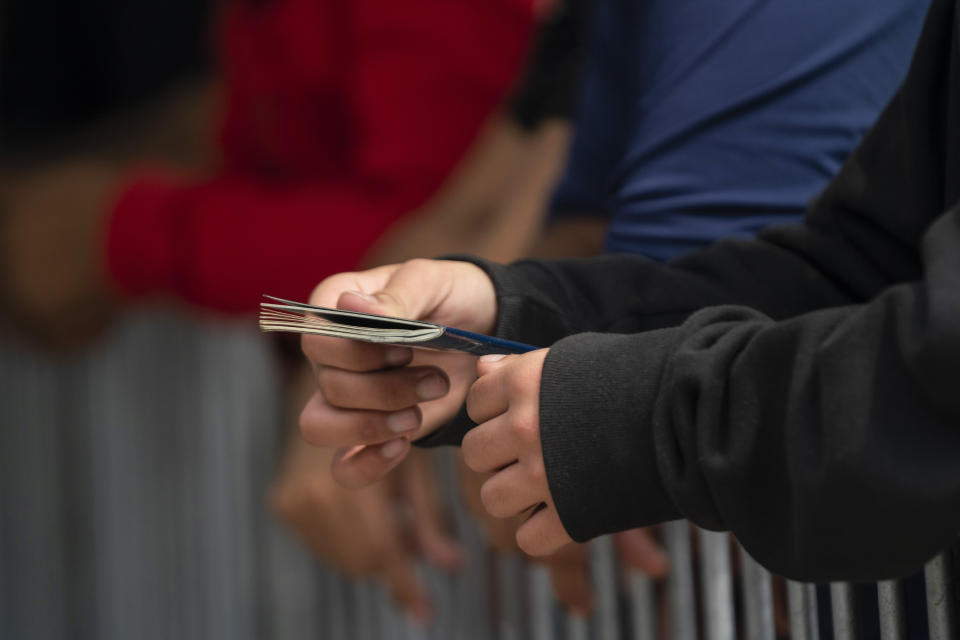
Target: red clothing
[(342, 115)]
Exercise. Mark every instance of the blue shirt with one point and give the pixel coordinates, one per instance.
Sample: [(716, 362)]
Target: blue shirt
[(707, 118)]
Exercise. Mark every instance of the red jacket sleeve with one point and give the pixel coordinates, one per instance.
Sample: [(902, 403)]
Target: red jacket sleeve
[(419, 78)]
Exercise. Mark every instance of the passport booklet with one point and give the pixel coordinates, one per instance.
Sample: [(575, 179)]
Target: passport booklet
[(297, 317)]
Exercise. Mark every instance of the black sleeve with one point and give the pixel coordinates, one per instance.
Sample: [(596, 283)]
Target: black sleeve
[(820, 420), (548, 88)]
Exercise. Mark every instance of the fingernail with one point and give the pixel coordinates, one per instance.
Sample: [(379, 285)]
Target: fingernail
[(493, 357), (365, 296), (431, 386), (397, 356), (403, 421), (393, 448)]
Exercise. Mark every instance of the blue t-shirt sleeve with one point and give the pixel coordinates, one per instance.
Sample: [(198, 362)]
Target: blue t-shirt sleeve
[(602, 115), (744, 109)]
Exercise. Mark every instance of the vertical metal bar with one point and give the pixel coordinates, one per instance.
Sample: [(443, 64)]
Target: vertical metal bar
[(683, 613), (893, 614), (34, 576), (472, 606), (510, 622), (844, 611), (802, 601), (336, 621), (939, 598), (757, 599), (717, 584), (441, 587), (541, 596), (643, 611), (577, 628), (362, 600), (604, 573)]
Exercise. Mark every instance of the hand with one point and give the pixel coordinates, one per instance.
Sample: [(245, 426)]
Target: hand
[(359, 532), (373, 400), (569, 567), (362, 533), (505, 403), (53, 278)]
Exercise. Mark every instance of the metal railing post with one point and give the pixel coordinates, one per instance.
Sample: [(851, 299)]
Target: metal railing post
[(680, 588), (939, 598), (717, 584), (893, 615), (844, 611), (643, 612), (757, 589), (802, 603)]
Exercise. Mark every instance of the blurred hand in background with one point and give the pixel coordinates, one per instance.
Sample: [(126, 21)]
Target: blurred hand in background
[(378, 532), (53, 279), (54, 282), (569, 568)]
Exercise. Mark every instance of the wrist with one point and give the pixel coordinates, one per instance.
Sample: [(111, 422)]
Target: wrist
[(597, 433)]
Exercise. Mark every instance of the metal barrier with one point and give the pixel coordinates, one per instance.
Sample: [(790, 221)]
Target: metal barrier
[(131, 506)]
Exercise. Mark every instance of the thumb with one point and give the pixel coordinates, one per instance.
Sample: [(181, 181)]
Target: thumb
[(488, 364), (381, 305), (458, 294), (412, 291)]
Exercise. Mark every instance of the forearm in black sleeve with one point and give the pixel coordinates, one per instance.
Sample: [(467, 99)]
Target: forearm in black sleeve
[(828, 440), (859, 237), (828, 443)]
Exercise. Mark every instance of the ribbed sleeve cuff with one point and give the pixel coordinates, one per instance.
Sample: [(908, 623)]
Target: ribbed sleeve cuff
[(596, 428), (524, 312), (141, 236)]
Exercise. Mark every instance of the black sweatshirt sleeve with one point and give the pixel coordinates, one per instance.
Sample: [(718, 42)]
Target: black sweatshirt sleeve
[(820, 419)]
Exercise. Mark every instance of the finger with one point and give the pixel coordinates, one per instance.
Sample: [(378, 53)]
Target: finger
[(351, 544), (328, 292), (360, 466), (501, 534), (388, 390), (352, 355), (322, 515), (490, 446), (542, 533), (326, 426), (405, 586), (287, 504), (487, 397), (456, 293), (429, 528), (383, 528), (490, 363), (639, 550), (512, 491), (570, 576)]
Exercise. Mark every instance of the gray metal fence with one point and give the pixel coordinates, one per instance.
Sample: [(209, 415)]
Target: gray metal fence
[(132, 482)]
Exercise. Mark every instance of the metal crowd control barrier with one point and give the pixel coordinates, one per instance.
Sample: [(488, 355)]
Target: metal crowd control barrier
[(131, 506)]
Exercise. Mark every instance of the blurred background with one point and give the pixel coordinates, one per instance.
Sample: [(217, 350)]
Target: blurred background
[(164, 164), (152, 482)]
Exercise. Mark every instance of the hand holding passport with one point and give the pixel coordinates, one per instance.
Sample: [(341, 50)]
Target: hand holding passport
[(296, 317)]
